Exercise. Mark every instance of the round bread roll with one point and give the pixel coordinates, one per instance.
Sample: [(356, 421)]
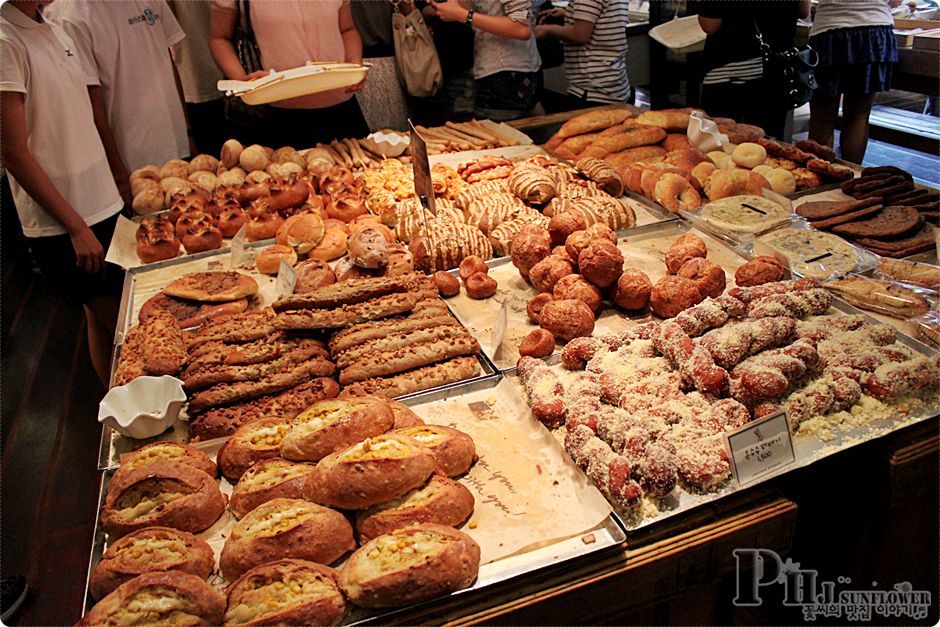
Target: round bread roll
[(301, 232), (480, 286), (205, 181), (410, 565), (141, 183), (567, 319), (601, 263), (404, 417), (258, 177), (157, 246), (633, 290), (368, 248), (203, 163), (781, 181), (253, 158), (332, 246), (313, 274), (721, 159), (201, 237), (176, 168), (230, 179), (762, 169), (538, 343), (763, 269), (748, 155), (286, 592), (162, 493), (160, 598), (577, 287), (708, 277), (284, 170), (546, 273), (400, 261), (446, 283), (231, 220), (147, 172), (287, 154), (684, 248), (376, 470), (470, 265), (176, 452), (285, 528), (173, 185), (263, 222), (269, 260), (148, 200), (150, 550), (334, 425), (454, 451), (268, 479), (441, 501), (251, 443), (564, 224), (674, 294), (231, 151), (529, 246), (536, 304), (561, 253)]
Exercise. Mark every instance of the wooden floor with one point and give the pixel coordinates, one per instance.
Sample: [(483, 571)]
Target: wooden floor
[(49, 444)]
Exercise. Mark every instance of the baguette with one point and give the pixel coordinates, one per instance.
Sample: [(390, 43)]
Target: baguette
[(379, 364), (347, 293), (442, 373), (374, 309), (633, 155), (395, 341), (671, 119), (362, 333), (592, 121), (228, 393)]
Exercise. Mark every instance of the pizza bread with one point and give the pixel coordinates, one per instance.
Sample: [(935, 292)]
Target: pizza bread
[(213, 287), (374, 471), (813, 253), (454, 451), (166, 451), (158, 599), (403, 415), (286, 592), (163, 493), (441, 500), (252, 442), (285, 528), (266, 480), (410, 565), (334, 425), (153, 549), (746, 213)]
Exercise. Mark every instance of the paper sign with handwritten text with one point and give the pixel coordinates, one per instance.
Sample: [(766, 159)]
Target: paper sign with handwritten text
[(761, 448)]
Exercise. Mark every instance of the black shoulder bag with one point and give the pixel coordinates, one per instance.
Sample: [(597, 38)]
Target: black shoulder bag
[(789, 73), (242, 116)]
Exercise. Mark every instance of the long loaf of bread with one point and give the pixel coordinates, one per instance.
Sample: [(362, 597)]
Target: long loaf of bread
[(399, 341), (381, 307), (384, 363), (449, 371), (592, 121)]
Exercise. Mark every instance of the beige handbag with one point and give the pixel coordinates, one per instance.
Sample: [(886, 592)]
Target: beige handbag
[(415, 53)]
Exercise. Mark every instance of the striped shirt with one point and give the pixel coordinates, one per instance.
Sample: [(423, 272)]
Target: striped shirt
[(597, 70), (493, 53), (738, 71)]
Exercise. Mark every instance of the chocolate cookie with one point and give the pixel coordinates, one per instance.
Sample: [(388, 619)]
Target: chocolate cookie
[(892, 222)]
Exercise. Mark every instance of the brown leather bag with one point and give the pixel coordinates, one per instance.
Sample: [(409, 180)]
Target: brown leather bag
[(415, 54)]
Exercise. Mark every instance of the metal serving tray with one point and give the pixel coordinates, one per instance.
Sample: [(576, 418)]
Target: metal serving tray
[(603, 537)]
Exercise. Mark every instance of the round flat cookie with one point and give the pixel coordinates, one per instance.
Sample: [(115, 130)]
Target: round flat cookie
[(813, 253), (744, 214), (212, 287), (190, 313)]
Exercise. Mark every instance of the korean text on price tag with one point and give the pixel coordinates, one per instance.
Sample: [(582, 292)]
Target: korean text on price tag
[(761, 448)]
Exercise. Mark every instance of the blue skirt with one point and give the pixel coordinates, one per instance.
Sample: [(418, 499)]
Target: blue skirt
[(855, 61)]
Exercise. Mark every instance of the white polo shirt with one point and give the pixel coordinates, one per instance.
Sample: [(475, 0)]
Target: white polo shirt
[(39, 60), (124, 47)]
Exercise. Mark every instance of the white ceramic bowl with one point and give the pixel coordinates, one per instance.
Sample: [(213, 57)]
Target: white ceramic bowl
[(387, 143), (145, 407)]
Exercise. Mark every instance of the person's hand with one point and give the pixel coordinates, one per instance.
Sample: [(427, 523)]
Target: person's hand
[(124, 188), (89, 255), (547, 13), (450, 11), (542, 31), (256, 74)]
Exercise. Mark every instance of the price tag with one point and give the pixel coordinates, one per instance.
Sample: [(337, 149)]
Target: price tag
[(242, 255), (421, 166), (499, 328), (214, 264), (286, 279), (761, 448)]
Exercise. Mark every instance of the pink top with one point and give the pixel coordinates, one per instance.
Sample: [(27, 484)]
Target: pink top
[(290, 33)]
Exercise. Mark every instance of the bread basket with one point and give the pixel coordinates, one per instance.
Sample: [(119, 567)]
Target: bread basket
[(145, 407)]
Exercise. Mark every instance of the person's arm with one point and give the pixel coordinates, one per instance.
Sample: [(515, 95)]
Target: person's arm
[(115, 162), (221, 32), (804, 9), (499, 25), (193, 149), (579, 32), (22, 165), (352, 41)]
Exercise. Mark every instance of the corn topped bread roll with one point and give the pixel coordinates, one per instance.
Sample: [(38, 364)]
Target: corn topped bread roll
[(454, 451), (441, 501), (173, 597), (335, 424), (252, 442), (154, 549), (268, 479), (410, 565), (162, 493), (374, 471), (166, 451), (284, 528), (286, 592)]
